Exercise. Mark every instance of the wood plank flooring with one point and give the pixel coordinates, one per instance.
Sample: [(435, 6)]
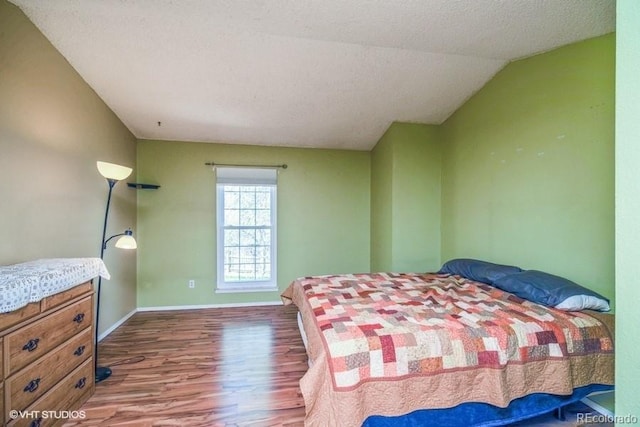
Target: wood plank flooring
[(214, 367)]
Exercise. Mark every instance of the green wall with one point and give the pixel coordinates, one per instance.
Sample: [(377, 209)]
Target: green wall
[(627, 207), (405, 199), (528, 168), (323, 217), (381, 204), (53, 129)]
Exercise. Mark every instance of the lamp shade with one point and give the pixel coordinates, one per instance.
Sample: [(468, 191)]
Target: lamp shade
[(126, 242), (113, 171)]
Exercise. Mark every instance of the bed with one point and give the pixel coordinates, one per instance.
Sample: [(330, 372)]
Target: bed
[(400, 349)]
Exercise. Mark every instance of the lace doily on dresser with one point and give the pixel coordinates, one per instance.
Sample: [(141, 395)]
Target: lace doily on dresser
[(32, 281)]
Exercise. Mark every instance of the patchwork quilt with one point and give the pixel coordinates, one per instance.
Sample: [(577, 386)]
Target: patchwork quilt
[(387, 325)]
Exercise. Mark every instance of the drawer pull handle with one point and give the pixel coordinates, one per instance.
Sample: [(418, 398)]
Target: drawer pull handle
[(31, 345), (79, 351), (81, 382), (36, 423), (79, 318), (32, 386)]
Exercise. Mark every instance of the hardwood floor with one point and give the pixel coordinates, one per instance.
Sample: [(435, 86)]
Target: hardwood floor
[(215, 367)]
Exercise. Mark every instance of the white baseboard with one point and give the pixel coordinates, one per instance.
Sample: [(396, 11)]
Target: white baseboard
[(202, 306), (593, 405), (184, 307), (116, 325)]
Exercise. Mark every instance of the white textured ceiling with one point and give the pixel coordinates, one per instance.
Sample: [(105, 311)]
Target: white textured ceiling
[(306, 73)]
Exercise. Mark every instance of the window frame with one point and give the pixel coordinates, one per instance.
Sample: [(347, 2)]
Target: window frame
[(233, 286)]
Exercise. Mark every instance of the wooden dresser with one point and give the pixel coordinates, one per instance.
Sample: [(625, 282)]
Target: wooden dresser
[(46, 358)]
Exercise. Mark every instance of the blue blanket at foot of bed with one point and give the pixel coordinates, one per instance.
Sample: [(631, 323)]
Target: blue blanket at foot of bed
[(483, 414)]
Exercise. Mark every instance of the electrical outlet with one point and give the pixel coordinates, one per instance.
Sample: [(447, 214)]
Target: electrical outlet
[(192, 284)]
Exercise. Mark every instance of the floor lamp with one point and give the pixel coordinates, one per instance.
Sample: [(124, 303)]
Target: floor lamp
[(113, 173)]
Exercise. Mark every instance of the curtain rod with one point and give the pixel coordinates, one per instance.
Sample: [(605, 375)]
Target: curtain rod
[(283, 166)]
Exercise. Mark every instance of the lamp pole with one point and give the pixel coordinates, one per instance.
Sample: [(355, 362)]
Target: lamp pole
[(113, 173), (112, 183), (102, 373)]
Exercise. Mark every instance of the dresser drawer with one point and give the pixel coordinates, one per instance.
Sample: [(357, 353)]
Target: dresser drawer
[(2, 380), (58, 299), (27, 344), (2, 400), (31, 383), (14, 317), (68, 395)]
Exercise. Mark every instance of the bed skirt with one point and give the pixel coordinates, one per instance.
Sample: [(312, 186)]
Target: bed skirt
[(485, 415)]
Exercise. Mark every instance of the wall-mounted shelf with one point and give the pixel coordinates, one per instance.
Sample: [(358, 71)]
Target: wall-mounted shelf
[(139, 186)]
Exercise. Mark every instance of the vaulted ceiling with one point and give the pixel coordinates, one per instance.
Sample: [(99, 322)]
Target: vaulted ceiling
[(305, 73)]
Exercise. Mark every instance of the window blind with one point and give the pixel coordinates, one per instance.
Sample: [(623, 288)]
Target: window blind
[(244, 176)]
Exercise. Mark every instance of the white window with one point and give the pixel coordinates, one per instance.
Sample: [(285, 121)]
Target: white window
[(246, 225)]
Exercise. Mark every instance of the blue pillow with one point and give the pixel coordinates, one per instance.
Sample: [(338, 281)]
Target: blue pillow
[(552, 291), (480, 271)]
